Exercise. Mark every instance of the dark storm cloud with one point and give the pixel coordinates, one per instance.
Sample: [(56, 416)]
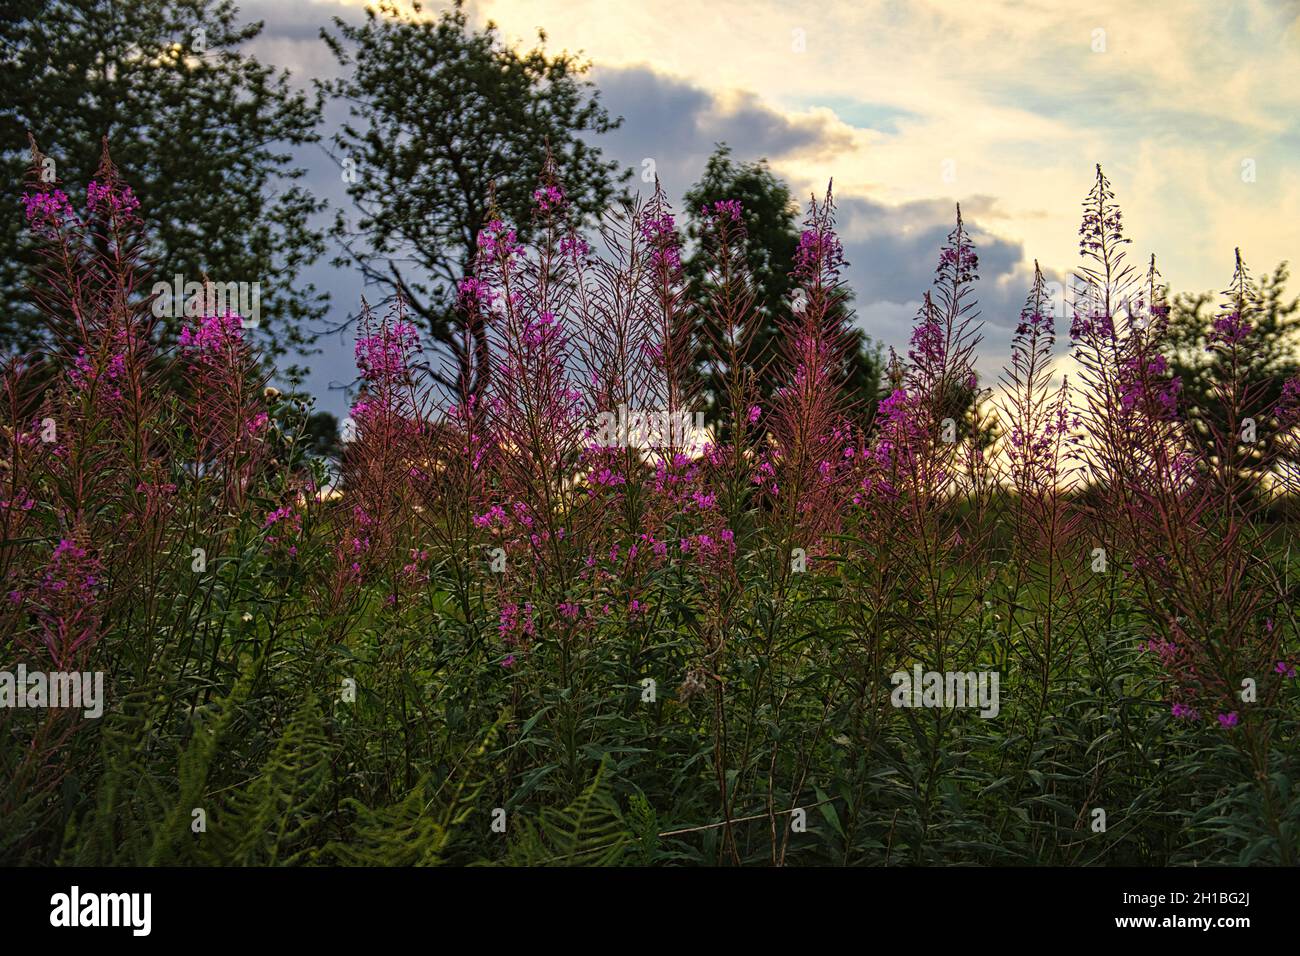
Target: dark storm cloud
[(678, 124), (894, 249), (893, 252)]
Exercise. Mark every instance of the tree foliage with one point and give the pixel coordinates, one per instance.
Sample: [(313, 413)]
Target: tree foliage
[(205, 129), (450, 129), (1271, 360), (769, 214)]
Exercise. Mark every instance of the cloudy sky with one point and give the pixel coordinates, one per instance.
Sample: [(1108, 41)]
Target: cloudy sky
[(915, 105)]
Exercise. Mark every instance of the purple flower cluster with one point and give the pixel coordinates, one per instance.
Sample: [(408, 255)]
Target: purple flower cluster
[(64, 601), (819, 252), (498, 242), (1230, 329), (661, 233), (963, 258), (83, 374), (214, 338), (474, 294), (929, 347), (728, 209), (114, 198), (1100, 227), (1035, 321), (384, 355), (283, 525), (1147, 386), (46, 211), (549, 198)]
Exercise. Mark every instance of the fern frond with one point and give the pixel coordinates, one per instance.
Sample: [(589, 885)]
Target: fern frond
[(272, 820), (588, 832)]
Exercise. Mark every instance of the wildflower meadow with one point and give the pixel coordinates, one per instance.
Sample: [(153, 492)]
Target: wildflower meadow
[(577, 591)]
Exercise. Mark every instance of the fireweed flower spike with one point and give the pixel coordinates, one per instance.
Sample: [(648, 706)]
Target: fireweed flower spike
[(809, 424)]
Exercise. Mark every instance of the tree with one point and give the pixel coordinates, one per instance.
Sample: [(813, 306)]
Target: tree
[(322, 434), (455, 130), (770, 217), (1272, 358), (204, 129)]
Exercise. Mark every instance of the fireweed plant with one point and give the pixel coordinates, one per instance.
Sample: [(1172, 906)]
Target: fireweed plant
[(501, 629)]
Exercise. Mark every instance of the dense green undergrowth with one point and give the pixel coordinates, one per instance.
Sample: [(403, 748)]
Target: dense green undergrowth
[(495, 637)]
